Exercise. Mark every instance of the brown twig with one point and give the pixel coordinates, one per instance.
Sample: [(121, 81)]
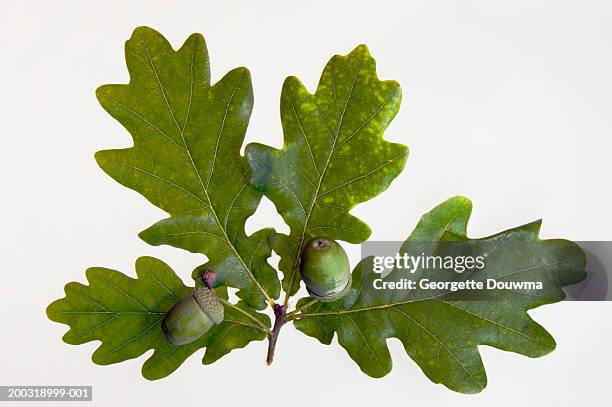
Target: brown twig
[(280, 313)]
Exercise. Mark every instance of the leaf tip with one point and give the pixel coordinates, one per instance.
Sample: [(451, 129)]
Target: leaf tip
[(292, 84), (99, 157), (141, 30), (100, 92), (50, 310), (461, 199), (456, 204), (208, 358), (361, 49), (148, 236), (195, 37), (150, 373), (145, 262), (536, 226)]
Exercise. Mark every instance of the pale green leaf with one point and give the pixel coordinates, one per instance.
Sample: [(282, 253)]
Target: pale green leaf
[(333, 156)]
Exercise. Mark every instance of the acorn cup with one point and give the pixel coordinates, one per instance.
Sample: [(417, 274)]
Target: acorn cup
[(194, 315), (325, 269)]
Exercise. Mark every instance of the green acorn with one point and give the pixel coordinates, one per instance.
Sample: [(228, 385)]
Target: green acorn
[(194, 315), (325, 269)]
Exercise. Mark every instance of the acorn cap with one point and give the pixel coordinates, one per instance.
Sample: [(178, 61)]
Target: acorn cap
[(333, 297), (209, 303)]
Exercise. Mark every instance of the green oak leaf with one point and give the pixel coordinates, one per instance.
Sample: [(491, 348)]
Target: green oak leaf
[(186, 158), (125, 314), (333, 156), (441, 331)]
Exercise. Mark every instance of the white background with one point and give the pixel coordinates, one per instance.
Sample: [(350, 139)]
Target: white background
[(506, 102)]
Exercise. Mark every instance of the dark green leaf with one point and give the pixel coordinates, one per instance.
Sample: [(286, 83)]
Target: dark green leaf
[(441, 331), (186, 157), (125, 314), (333, 157)]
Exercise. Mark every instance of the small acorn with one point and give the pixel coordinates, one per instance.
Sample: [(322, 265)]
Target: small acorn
[(325, 269), (193, 315)]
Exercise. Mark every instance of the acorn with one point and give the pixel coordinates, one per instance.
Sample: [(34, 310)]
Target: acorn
[(193, 315), (325, 269)]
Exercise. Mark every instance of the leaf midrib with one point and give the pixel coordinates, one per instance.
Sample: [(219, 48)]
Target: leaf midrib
[(396, 305)]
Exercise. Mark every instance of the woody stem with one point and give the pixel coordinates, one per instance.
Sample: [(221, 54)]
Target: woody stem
[(280, 314)]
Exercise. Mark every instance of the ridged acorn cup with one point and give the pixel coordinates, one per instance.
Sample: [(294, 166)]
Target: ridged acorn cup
[(325, 269), (192, 316)]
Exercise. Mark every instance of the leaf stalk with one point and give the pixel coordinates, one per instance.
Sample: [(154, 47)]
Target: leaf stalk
[(246, 314), (295, 313)]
